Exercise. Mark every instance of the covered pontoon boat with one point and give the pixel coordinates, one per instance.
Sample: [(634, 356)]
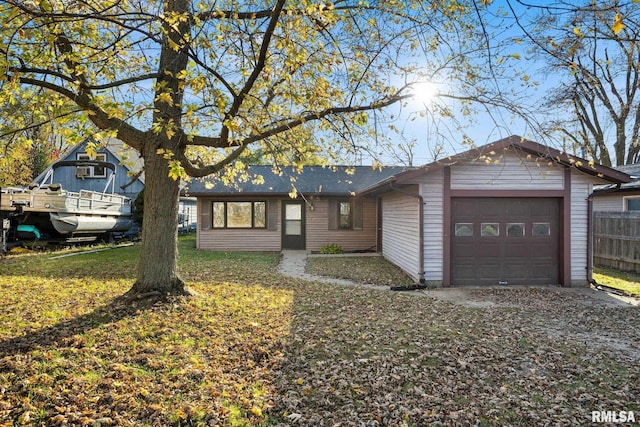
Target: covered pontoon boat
[(51, 212)]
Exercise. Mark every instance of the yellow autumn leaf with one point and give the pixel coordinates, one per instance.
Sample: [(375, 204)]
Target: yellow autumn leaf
[(578, 32), (176, 171), (617, 24), (256, 411), (165, 97)]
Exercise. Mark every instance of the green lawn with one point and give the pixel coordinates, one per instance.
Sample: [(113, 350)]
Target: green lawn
[(628, 282), (254, 348)]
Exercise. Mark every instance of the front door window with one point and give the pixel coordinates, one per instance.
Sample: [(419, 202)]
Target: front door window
[(293, 220)]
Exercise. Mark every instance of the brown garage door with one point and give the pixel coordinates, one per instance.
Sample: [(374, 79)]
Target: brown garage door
[(509, 241)]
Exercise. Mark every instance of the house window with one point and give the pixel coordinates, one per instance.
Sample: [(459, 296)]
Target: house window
[(91, 171), (239, 214), (632, 203), (345, 215)]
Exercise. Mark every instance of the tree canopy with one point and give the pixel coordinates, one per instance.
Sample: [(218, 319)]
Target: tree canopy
[(593, 48), (199, 86)]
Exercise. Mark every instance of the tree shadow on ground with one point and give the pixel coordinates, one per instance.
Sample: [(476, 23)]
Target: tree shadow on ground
[(118, 309)]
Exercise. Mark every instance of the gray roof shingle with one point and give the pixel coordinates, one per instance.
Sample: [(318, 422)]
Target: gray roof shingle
[(312, 180)]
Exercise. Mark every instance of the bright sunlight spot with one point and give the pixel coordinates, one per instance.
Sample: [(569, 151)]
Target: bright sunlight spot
[(425, 92)]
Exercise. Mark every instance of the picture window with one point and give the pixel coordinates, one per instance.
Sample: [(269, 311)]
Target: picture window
[(239, 214)]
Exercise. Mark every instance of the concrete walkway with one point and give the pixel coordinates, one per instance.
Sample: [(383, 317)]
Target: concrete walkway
[(292, 265)]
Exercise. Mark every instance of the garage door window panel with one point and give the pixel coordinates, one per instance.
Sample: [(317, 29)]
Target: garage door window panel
[(541, 229), (515, 229), (490, 229), (464, 229)]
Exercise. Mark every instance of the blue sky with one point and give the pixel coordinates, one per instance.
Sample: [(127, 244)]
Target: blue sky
[(481, 127)]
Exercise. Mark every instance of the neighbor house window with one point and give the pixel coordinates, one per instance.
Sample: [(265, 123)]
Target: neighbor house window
[(239, 214), (345, 215), (632, 203), (91, 171)]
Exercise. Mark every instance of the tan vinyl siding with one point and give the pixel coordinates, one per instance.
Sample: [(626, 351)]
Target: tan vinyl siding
[(319, 234), (400, 232), (235, 239), (512, 171)]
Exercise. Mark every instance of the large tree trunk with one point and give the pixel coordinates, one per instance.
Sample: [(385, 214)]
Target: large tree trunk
[(157, 268)]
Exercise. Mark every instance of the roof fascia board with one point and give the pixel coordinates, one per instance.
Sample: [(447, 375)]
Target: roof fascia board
[(518, 143)]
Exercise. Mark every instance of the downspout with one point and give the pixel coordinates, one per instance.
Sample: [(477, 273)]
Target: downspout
[(590, 240), (421, 228)]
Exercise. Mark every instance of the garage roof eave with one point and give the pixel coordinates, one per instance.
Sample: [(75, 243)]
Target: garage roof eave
[(517, 143), (378, 188)]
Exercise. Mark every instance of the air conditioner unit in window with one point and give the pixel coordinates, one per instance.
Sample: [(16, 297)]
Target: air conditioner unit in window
[(83, 171)]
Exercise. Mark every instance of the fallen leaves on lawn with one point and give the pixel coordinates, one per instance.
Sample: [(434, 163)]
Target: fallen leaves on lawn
[(256, 348), (376, 358), (192, 360), (361, 269)]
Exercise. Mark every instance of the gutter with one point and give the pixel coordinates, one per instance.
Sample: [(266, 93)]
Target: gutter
[(421, 231)]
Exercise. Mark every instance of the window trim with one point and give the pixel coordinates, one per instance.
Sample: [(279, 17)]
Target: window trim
[(253, 215), (100, 157)]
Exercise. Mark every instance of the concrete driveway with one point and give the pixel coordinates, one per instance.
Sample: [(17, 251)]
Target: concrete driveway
[(516, 296)]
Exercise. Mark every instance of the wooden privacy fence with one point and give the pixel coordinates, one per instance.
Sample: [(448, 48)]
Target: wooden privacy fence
[(616, 240)]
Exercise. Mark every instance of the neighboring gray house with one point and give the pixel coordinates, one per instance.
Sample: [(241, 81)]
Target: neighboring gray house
[(94, 178), (620, 197), (510, 212), (129, 178)]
